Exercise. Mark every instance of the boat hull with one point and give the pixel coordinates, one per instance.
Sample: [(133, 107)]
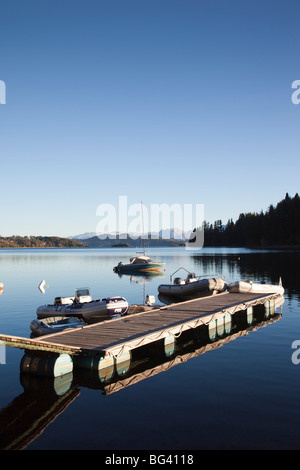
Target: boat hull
[(96, 310), (201, 287), (245, 287), (128, 268)]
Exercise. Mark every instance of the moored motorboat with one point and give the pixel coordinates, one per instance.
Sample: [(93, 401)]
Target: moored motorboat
[(245, 287), (47, 326), (82, 306), (139, 263), (193, 286)]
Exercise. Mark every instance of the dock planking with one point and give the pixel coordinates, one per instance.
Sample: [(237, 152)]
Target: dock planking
[(114, 337)]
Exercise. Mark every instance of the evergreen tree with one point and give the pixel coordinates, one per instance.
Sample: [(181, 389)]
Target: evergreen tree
[(277, 226)]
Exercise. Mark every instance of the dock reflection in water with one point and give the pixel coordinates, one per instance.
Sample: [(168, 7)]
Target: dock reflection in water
[(43, 399)]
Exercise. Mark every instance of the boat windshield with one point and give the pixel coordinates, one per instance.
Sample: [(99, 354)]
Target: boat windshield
[(84, 291), (140, 259)]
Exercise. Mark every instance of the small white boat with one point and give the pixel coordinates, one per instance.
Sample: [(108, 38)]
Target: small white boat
[(47, 326), (192, 286), (82, 306), (245, 287)]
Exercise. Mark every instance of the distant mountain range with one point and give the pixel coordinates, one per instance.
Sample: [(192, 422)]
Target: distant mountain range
[(127, 241), (169, 234), (172, 237), (91, 240)]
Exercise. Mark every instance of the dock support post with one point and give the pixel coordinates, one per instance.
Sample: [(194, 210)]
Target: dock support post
[(123, 362), (250, 315), (269, 307), (46, 365), (103, 365), (169, 345)]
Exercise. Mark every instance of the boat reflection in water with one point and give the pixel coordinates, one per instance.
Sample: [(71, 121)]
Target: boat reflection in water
[(28, 415), (142, 279)]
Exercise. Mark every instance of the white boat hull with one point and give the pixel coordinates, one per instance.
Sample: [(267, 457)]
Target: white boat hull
[(96, 310), (245, 287)]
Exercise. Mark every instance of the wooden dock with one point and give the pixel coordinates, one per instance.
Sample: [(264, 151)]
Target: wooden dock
[(115, 337)]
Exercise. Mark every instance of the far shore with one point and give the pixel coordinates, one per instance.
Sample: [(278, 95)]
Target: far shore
[(127, 246)]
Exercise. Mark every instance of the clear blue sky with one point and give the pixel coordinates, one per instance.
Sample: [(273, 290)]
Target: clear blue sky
[(164, 101)]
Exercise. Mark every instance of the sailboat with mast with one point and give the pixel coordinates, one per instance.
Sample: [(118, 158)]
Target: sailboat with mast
[(141, 263)]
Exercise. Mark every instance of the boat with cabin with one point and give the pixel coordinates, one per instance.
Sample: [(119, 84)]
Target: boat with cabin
[(139, 263)]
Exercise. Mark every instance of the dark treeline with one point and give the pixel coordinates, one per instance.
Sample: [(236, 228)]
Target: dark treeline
[(278, 226)]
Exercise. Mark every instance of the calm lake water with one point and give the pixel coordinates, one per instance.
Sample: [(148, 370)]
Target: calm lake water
[(242, 394)]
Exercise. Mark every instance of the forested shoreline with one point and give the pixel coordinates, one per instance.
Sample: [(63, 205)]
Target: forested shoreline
[(16, 241), (277, 227)]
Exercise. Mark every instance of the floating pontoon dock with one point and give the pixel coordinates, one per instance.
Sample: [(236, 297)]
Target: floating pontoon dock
[(113, 338)]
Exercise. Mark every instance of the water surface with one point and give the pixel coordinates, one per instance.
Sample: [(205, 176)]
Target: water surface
[(242, 394)]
